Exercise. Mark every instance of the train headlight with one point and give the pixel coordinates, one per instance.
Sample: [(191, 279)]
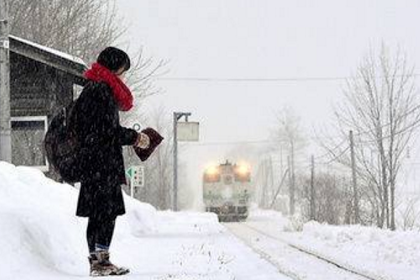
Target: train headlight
[(212, 170), (212, 174), (242, 173), (243, 169)]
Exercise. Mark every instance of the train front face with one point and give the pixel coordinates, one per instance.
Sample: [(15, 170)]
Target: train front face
[(227, 191)]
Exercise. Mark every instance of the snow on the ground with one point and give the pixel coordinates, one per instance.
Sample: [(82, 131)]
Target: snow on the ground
[(41, 238), (288, 260), (39, 229), (395, 255), (387, 254)]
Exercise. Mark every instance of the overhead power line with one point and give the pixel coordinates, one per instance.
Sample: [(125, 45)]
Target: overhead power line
[(203, 79), (252, 79), (265, 142)]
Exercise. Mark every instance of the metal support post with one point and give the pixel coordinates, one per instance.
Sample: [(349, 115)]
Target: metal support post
[(177, 117)]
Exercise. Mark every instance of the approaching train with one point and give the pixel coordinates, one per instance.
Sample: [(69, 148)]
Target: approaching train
[(227, 191)]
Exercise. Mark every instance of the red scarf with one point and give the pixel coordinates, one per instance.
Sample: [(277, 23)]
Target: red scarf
[(122, 93)]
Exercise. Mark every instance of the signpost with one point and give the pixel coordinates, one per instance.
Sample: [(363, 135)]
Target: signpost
[(183, 131), (136, 175)]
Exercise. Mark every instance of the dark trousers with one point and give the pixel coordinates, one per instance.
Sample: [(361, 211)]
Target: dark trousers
[(99, 232)]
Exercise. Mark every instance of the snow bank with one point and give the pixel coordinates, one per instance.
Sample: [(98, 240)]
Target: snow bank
[(385, 254), (393, 247), (390, 254), (39, 230), (270, 217), (41, 238)]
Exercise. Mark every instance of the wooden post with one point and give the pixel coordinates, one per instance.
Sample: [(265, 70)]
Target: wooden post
[(5, 126)]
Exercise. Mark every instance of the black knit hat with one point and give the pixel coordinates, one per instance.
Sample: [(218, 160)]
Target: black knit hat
[(113, 59)]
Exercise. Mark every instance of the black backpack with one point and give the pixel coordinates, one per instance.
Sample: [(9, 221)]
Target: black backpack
[(62, 146)]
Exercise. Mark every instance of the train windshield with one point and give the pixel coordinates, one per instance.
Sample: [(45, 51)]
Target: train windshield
[(239, 177), (211, 178)]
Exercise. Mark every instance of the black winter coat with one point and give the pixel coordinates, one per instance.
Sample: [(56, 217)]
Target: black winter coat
[(96, 122)]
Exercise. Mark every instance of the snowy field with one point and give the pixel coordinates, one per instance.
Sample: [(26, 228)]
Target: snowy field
[(41, 238), (381, 254)]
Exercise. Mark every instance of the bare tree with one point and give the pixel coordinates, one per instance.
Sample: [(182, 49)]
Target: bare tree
[(82, 28), (331, 196), (159, 167), (382, 108), (409, 214), (289, 137), (162, 163)]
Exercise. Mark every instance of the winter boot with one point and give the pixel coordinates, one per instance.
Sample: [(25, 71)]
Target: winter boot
[(100, 265), (96, 269)]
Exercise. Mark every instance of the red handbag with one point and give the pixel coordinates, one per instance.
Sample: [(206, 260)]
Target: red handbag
[(155, 140)]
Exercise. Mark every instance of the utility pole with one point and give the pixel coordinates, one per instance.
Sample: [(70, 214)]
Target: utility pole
[(354, 180), (264, 199), (312, 192), (291, 186), (293, 182), (177, 117), (5, 127), (279, 188), (281, 160), (270, 169)]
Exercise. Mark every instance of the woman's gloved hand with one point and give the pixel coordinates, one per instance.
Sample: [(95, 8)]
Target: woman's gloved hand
[(143, 141)]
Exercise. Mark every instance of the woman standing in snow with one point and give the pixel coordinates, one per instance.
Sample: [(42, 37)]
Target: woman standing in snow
[(96, 122)]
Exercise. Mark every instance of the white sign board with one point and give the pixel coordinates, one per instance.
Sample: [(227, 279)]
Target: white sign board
[(188, 131), (5, 44), (136, 174)]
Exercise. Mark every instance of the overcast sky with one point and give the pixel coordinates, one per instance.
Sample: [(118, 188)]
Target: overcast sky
[(258, 40), (263, 39)]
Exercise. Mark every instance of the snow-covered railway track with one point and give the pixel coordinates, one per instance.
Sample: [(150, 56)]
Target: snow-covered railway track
[(293, 260)]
